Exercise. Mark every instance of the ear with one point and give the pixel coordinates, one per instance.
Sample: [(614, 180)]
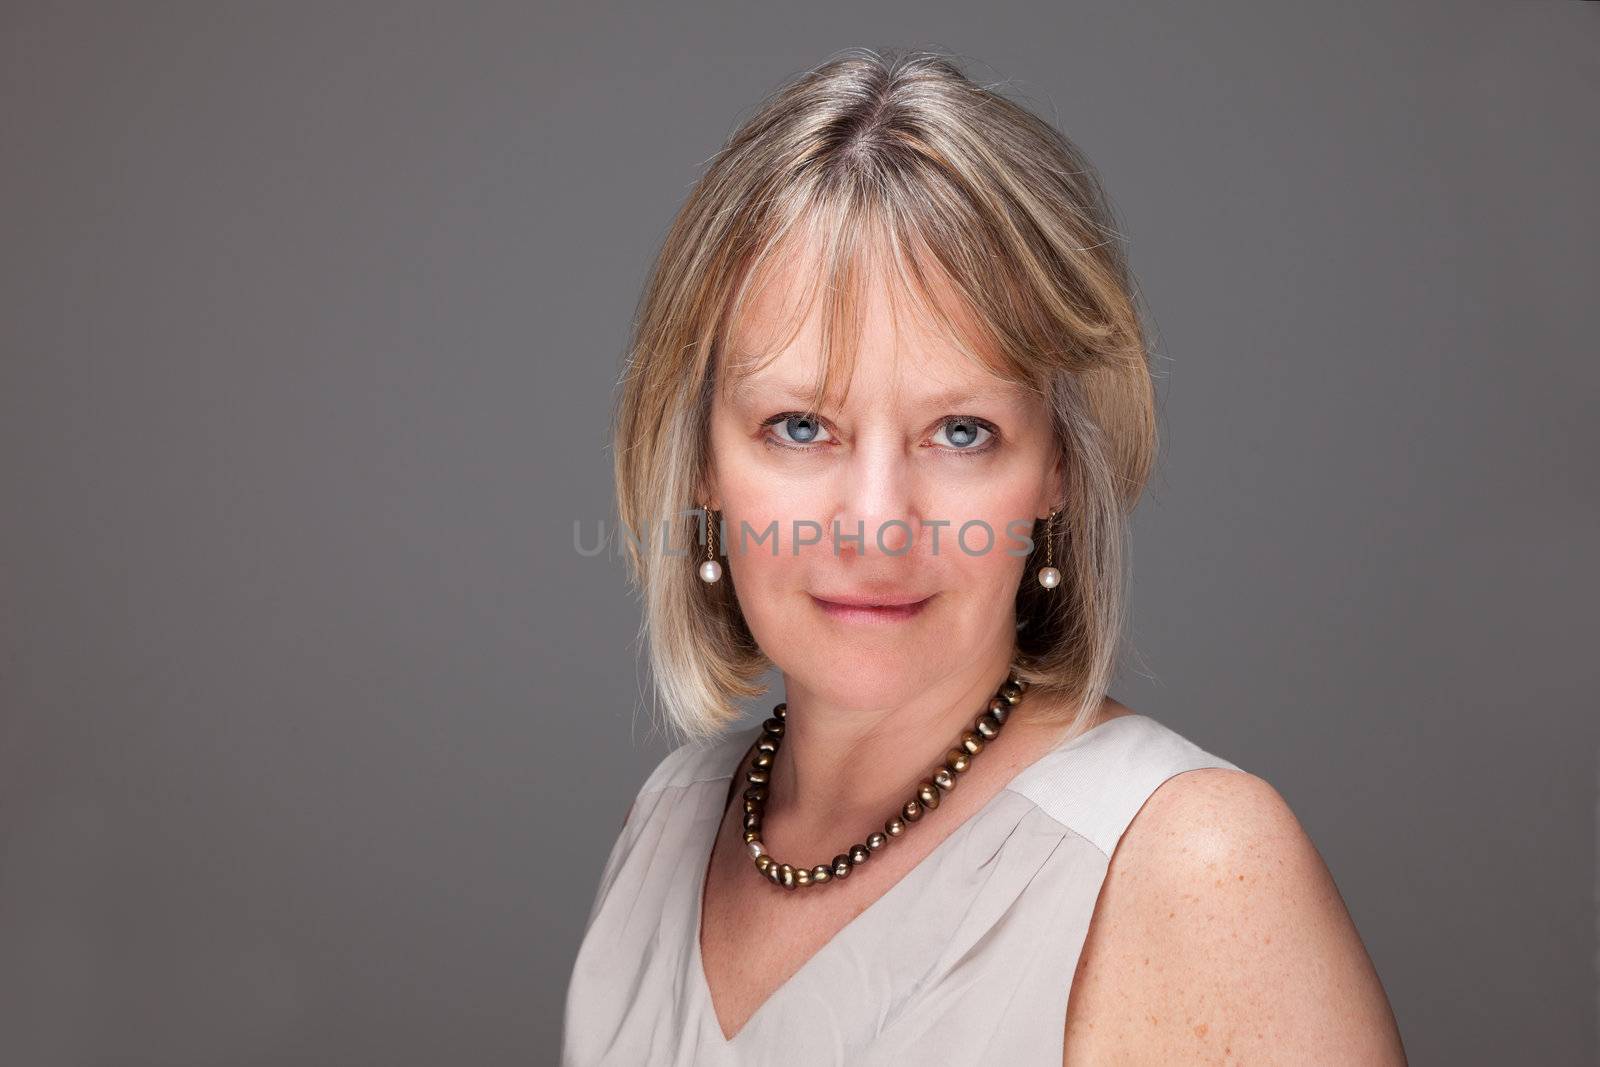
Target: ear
[(706, 495)]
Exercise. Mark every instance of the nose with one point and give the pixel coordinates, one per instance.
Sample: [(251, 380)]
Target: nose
[(877, 512)]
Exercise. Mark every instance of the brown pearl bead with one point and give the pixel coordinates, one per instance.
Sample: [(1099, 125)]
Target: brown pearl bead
[(928, 792)]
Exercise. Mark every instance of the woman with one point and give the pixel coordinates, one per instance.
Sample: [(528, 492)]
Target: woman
[(891, 349)]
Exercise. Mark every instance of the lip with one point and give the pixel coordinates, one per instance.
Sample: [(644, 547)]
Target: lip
[(887, 608)]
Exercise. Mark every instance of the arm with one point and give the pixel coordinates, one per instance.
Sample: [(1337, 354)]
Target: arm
[(1220, 936)]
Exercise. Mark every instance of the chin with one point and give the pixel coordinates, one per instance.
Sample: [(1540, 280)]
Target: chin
[(856, 674)]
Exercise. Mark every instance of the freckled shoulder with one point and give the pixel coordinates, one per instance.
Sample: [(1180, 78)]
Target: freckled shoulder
[(1219, 934)]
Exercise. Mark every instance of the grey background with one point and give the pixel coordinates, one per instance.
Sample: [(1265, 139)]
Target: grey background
[(315, 729)]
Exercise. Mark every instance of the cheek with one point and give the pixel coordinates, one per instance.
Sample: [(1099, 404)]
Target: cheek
[(758, 515), (760, 545), (984, 530)]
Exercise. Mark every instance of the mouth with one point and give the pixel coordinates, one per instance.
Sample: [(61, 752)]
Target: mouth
[(872, 609)]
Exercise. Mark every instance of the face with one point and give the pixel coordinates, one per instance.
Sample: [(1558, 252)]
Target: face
[(923, 442)]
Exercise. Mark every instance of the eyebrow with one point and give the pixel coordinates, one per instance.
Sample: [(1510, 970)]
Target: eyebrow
[(952, 399), (958, 398)]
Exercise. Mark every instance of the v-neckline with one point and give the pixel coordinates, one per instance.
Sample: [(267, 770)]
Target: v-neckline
[(703, 866)]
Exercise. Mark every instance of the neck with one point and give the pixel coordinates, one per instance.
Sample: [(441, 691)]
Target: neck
[(845, 766)]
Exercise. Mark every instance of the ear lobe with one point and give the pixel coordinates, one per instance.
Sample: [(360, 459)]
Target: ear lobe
[(706, 494), (1058, 491)]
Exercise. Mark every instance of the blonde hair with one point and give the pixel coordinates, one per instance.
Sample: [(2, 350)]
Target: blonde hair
[(997, 227)]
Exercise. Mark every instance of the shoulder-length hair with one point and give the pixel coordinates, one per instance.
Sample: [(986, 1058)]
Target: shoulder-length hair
[(979, 203)]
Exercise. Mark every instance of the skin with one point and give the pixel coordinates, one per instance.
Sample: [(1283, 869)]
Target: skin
[(1219, 933), (1220, 937)]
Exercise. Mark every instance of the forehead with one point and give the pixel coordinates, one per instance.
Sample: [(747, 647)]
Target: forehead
[(782, 345)]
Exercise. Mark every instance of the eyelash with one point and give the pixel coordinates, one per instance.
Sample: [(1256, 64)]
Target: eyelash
[(988, 446)]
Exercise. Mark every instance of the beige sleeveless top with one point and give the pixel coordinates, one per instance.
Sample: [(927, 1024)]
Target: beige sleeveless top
[(967, 959)]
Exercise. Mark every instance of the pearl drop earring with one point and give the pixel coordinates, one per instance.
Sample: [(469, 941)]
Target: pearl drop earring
[(710, 570), (1049, 577)]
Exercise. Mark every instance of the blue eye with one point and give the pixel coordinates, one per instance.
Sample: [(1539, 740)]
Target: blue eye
[(797, 430), (801, 431), (964, 434)]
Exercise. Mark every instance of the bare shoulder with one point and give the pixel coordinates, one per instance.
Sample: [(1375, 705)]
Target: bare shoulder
[(1220, 935)]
